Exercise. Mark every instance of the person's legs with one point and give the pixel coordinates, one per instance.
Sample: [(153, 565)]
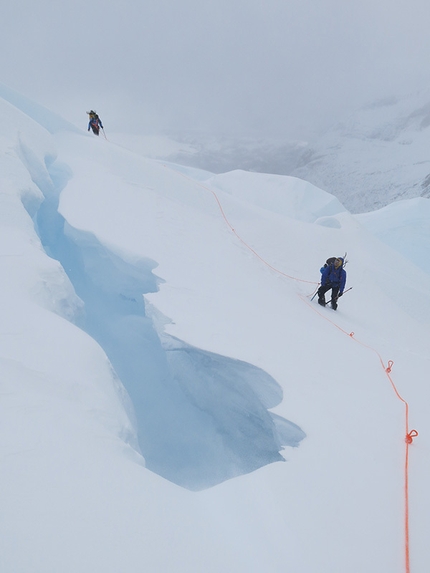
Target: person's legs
[(321, 292), (334, 295)]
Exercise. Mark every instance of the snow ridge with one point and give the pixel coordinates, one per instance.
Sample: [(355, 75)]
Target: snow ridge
[(201, 418)]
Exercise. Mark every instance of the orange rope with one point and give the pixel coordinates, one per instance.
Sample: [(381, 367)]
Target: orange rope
[(409, 434), (233, 230)]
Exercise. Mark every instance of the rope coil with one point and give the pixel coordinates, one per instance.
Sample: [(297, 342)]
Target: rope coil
[(410, 437)]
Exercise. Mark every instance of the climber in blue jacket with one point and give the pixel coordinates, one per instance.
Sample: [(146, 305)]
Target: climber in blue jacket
[(333, 276), (95, 122)]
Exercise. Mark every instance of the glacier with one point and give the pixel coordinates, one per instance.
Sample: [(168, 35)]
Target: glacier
[(160, 357)]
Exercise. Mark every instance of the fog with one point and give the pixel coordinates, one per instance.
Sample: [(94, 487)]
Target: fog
[(283, 68)]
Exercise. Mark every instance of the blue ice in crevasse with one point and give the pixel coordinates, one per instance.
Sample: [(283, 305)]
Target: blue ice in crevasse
[(201, 418)]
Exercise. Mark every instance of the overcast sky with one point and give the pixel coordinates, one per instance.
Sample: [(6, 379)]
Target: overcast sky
[(262, 67)]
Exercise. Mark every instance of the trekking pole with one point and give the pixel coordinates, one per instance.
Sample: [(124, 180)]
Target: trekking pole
[(103, 129), (344, 292), (315, 294)]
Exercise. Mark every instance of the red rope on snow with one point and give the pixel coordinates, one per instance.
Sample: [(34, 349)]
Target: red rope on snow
[(409, 434)]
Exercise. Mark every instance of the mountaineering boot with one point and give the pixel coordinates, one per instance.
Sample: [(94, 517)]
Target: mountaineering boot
[(321, 301), (334, 304)]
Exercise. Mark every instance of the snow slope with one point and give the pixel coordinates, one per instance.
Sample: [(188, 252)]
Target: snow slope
[(161, 359), (404, 225)]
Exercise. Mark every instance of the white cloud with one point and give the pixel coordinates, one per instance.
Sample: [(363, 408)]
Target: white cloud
[(233, 66)]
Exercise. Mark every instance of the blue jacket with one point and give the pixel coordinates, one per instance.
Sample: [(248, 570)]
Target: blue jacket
[(335, 277), (95, 121)]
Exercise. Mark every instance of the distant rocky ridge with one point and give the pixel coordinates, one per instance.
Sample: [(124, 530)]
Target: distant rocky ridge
[(379, 155)]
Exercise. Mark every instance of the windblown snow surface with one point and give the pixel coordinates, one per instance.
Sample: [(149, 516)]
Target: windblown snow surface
[(172, 401)]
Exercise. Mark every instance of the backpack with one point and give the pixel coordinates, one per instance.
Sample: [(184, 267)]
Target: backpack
[(329, 262)]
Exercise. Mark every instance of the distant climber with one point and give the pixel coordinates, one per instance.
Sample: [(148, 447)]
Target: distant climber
[(333, 276), (95, 122)]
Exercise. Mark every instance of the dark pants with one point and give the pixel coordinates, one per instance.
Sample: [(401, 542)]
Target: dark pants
[(334, 293)]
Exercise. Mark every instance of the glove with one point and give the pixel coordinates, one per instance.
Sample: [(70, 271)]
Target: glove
[(88, 129), (340, 294)]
